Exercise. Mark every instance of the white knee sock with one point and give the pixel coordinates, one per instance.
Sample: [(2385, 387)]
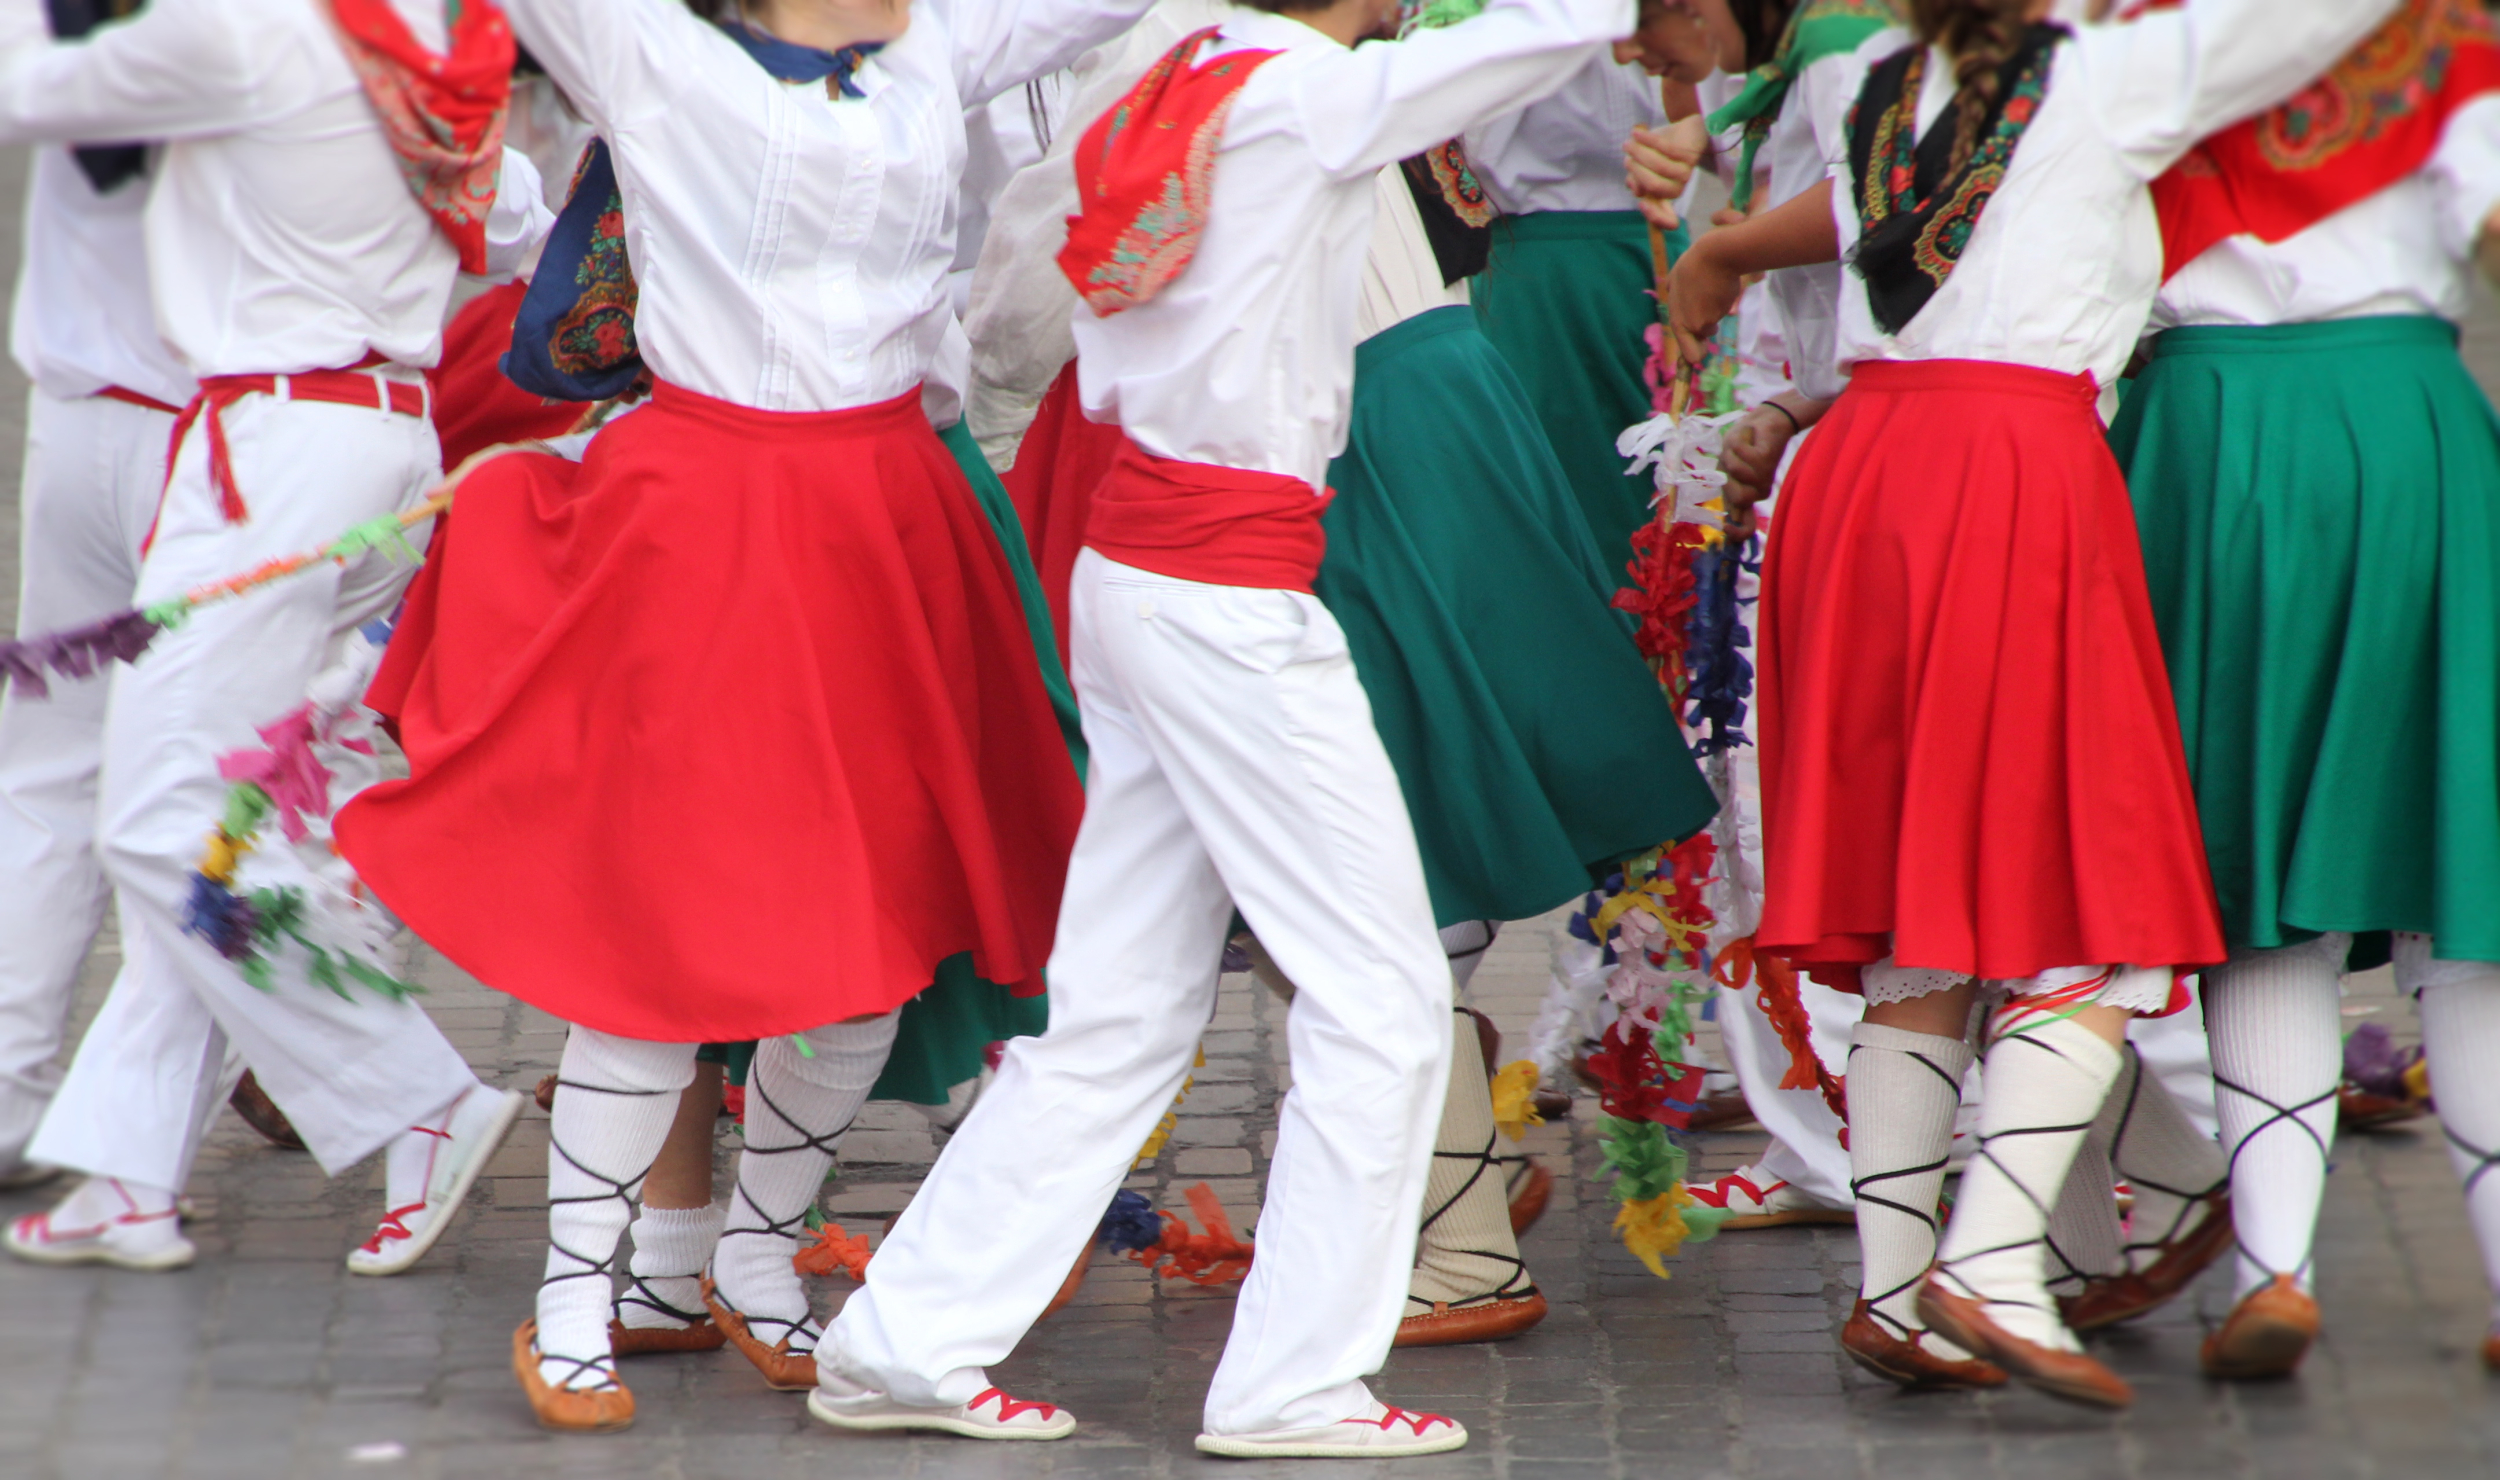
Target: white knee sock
[(2171, 1165), (2046, 1082), (798, 1108), (615, 1101), (2461, 1032), (1467, 1251), (2276, 1022), (1903, 1091), (671, 1246), (2083, 1238)]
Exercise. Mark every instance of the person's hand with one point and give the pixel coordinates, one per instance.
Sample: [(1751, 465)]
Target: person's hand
[(1658, 164), (1750, 451), (1700, 292)]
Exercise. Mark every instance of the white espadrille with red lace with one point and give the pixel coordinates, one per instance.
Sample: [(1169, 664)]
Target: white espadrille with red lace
[(458, 1149), (990, 1415), (1384, 1433), (1753, 1199), (103, 1223)]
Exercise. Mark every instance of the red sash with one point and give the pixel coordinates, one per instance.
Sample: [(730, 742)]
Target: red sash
[(442, 115), (356, 387), (2365, 125), (1200, 522), (1143, 173)]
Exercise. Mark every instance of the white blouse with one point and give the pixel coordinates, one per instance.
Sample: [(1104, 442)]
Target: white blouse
[(2409, 249), (281, 237), (1565, 153), (1246, 360), (1809, 137), (2061, 271), (83, 318), (791, 247)]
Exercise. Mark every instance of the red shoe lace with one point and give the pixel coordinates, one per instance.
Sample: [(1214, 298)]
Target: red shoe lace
[(1008, 1407), (1416, 1423), (1714, 1194), (392, 1227)]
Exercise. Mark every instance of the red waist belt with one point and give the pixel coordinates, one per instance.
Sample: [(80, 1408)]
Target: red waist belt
[(356, 387), (1201, 522)]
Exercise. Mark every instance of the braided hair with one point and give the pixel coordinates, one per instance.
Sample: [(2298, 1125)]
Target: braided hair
[(1981, 36)]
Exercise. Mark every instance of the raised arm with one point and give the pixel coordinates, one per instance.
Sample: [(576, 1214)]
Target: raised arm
[(618, 60), (177, 71), (1377, 104), (2163, 82), (1002, 44)]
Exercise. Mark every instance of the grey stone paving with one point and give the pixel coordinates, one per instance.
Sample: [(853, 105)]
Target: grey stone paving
[(269, 1360)]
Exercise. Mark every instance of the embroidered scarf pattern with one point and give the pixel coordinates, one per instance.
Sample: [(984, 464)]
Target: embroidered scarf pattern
[(1914, 221), (1457, 214), (1144, 172), (443, 115), (104, 165), (1818, 29), (573, 338), (2368, 123)]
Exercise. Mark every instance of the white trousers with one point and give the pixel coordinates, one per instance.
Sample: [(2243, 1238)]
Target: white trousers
[(1805, 1149), (1234, 763), (94, 468), (349, 1073)]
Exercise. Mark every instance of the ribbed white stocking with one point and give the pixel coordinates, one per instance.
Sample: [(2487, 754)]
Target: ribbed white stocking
[(2046, 1083), (2159, 1152), (1465, 944), (2461, 1032), (615, 1100), (799, 1105), (1467, 1252), (2083, 1238), (2275, 1019), (1903, 1091), (671, 1246)]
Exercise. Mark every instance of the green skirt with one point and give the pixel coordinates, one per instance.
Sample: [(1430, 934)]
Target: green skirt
[(1567, 299), (944, 1031), (2320, 509), (1531, 741)]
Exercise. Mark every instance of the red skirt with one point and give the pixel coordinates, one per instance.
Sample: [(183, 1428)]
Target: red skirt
[(475, 406), (730, 731), (1062, 459), (1970, 759)]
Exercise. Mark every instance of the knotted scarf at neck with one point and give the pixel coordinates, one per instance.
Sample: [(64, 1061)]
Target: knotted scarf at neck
[(1915, 212), (1144, 173), (2368, 123), (1817, 29), (573, 339), (443, 115), (104, 165)]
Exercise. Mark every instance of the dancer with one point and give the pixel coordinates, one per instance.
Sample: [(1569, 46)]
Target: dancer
[(301, 273), (2305, 426), (106, 390), (1234, 760), (1968, 775), (1568, 294), (817, 688)]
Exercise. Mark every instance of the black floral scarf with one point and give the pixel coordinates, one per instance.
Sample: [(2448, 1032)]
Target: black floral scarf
[(1914, 220)]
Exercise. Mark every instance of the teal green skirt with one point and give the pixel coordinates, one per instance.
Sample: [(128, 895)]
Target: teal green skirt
[(944, 1031), (2320, 510), (1567, 299), (1531, 741)]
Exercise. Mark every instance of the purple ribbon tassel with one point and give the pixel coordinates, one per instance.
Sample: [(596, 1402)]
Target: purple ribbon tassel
[(30, 663)]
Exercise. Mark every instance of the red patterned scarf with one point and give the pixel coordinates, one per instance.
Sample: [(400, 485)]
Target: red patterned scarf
[(1143, 172), (443, 115), (2369, 123)]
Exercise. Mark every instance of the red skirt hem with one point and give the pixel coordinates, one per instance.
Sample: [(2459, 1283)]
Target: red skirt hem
[(1970, 758), (731, 730)]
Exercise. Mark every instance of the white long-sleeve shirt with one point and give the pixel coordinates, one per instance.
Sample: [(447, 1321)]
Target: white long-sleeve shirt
[(1565, 152), (83, 318), (2061, 271), (281, 236), (2408, 249), (1246, 360), (791, 247)]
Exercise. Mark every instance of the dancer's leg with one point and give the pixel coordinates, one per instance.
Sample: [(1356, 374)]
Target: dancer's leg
[(2275, 1019), (2461, 1032)]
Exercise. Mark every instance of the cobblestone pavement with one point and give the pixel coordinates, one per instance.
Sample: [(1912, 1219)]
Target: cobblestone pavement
[(268, 1360)]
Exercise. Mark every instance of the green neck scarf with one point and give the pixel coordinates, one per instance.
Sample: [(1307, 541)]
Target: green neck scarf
[(1818, 29)]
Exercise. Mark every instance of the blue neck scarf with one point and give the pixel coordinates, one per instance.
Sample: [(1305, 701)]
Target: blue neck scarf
[(573, 339)]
